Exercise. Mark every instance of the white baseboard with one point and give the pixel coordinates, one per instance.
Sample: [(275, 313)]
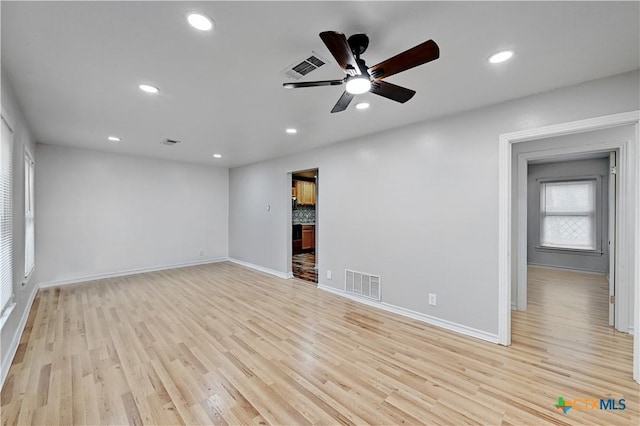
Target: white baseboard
[(559, 268), (6, 363), (269, 271), (514, 306), (86, 278), (459, 328)]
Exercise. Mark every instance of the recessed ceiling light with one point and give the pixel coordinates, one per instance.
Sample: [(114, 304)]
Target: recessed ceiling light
[(199, 21), (148, 88), (291, 131), (362, 105), (114, 138), (217, 156), (502, 56)]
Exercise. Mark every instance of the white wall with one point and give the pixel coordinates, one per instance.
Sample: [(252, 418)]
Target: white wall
[(563, 170), (22, 292), (100, 213), (417, 205)]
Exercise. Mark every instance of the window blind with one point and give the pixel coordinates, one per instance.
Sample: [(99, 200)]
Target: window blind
[(6, 218), (567, 212), (29, 231)]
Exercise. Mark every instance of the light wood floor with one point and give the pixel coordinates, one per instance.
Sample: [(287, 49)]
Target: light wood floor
[(221, 344)]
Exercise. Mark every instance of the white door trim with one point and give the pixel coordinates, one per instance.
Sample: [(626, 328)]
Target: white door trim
[(631, 245), (613, 220)]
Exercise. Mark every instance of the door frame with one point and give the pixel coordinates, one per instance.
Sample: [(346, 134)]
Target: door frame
[(629, 214), (613, 208), (290, 218)]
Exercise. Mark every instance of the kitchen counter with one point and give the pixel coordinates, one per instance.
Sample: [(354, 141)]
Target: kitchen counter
[(303, 237)]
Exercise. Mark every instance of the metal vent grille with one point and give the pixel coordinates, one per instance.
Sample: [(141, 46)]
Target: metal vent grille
[(169, 142), (362, 284), (304, 66)]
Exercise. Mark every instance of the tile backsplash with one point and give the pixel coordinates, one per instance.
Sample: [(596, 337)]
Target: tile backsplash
[(304, 214)]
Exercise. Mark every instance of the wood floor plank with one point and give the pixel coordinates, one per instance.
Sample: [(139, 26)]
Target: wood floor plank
[(222, 344)]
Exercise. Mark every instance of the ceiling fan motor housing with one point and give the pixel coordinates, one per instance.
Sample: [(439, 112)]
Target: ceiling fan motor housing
[(364, 70), (358, 44)]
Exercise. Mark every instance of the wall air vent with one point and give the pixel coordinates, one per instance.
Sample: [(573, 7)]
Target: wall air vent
[(169, 142), (304, 66), (362, 284)]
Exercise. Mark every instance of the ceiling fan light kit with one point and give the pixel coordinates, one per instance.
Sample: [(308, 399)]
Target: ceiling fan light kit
[(361, 79), (358, 85)]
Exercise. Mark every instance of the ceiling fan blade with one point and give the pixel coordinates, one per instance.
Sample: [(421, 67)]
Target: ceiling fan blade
[(343, 102), (391, 91), (418, 55), (312, 84), (339, 48)]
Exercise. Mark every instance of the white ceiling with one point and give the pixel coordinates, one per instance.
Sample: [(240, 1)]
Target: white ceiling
[(75, 67)]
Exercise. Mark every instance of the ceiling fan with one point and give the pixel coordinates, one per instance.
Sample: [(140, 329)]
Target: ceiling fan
[(359, 78)]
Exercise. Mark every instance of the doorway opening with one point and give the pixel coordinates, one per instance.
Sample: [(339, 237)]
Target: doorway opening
[(513, 268), (569, 221), (570, 227), (304, 206)]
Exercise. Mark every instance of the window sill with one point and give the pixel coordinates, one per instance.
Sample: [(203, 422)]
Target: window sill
[(569, 251), (6, 314)]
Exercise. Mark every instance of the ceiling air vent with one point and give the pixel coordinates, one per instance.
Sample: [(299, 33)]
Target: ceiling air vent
[(304, 66), (169, 142)]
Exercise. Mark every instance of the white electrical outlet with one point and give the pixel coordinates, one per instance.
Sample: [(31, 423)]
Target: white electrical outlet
[(328, 274), (432, 299), (201, 252)]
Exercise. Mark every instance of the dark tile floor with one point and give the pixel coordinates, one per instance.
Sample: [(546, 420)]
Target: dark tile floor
[(304, 267)]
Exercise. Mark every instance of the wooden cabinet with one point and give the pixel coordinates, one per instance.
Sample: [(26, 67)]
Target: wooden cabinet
[(305, 193), (308, 237)]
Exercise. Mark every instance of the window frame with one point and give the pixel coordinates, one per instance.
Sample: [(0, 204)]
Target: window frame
[(597, 216), (7, 307), (29, 201)]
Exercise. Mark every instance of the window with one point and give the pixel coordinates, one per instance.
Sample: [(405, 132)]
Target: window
[(568, 214), (6, 218), (29, 232)]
